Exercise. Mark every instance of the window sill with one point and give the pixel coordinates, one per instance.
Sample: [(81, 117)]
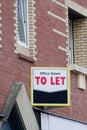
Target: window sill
[(82, 73), (78, 69), (29, 59)]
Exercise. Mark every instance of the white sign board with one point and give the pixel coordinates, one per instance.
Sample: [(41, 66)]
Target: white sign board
[(49, 83)]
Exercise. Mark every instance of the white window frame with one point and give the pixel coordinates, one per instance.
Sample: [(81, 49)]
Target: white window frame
[(71, 47), (24, 6)]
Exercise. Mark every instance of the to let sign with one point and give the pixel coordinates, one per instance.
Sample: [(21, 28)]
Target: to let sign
[(50, 86)]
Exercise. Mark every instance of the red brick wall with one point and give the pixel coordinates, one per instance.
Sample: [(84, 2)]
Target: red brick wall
[(47, 40), (49, 55), (13, 68)]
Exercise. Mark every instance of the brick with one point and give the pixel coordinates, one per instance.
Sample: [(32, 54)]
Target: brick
[(13, 68)]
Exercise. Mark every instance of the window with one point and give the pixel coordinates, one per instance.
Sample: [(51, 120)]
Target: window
[(22, 23), (25, 34), (14, 122), (77, 31)]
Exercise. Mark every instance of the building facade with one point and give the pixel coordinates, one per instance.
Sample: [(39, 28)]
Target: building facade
[(42, 33)]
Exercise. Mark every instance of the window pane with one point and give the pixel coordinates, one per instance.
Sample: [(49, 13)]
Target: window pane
[(14, 122), (6, 126), (22, 22)]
